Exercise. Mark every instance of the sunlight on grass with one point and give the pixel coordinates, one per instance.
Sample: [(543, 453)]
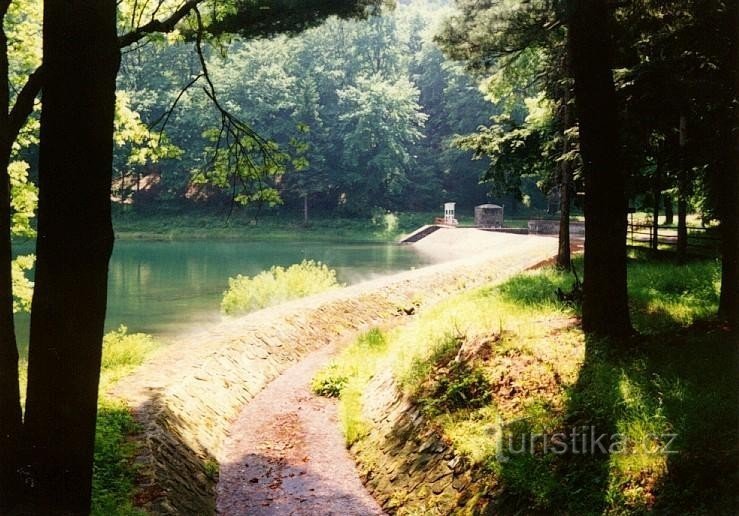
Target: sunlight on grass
[(545, 376)]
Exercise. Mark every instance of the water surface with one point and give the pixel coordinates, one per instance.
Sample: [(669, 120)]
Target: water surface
[(165, 287)]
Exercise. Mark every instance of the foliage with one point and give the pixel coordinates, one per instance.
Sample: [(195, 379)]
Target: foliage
[(123, 351), (542, 375), (113, 475), (22, 286), (329, 382), (353, 114), (350, 372), (277, 285)]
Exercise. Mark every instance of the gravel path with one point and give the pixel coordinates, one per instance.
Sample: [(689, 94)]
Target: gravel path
[(287, 454)]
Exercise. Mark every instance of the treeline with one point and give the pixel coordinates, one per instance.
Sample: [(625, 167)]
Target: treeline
[(633, 105), (362, 114)]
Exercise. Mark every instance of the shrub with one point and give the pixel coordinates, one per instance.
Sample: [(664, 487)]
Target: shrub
[(329, 382), (122, 353), (277, 285)]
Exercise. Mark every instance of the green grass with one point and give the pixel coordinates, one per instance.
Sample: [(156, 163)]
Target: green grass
[(277, 285), (348, 375), (382, 227), (543, 376), (113, 471), (242, 226)]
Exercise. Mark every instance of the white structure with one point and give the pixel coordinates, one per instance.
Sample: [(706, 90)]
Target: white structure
[(449, 214)]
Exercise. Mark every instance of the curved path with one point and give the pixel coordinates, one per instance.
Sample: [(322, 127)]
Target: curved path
[(187, 397), (285, 454)]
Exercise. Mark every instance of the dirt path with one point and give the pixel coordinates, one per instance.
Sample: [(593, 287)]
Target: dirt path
[(287, 454), (188, 395)]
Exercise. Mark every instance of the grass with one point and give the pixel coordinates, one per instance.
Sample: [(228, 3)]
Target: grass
[(113, 470), (382, 227), (277, 285), (503, 367)]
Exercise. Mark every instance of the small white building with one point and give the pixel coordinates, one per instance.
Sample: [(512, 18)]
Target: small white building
[(449, 216)]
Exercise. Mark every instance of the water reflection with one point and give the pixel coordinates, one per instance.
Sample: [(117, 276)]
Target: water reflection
[(157, 287)]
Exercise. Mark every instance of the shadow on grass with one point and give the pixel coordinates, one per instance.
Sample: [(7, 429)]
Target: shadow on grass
[(672, 403), (669, 395), (551, 465)]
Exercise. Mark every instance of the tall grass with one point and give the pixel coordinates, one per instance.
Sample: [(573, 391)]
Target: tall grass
[(277, 285)]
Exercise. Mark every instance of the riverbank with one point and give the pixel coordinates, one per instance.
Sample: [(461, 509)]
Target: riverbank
[(388, 227), (242, 226), (186, 397), (461, 401)]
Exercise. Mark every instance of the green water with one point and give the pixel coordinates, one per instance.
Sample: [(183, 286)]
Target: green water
[(163, 288)]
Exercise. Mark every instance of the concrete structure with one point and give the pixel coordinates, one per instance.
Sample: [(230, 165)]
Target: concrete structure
[(449, 214), (488, 216)]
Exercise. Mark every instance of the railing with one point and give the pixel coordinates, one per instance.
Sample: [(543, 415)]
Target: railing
[(701, 240)]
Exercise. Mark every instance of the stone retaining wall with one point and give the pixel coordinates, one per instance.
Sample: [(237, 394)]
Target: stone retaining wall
[(186, 396), (407, 466)]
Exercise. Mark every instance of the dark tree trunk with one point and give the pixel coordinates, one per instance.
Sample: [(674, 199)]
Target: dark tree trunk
[(75, 240), (563, 252), (305, 209), (10, 408), (605, 301), (682, 194), (657, 194), (669, 211), (728, 199)]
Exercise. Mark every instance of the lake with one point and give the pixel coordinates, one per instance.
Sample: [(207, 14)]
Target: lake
[(162, 287)]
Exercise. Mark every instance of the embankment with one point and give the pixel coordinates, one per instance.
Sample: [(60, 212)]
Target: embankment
[(186, 396)]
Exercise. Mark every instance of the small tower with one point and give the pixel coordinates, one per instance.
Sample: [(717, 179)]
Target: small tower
[(449, 214)]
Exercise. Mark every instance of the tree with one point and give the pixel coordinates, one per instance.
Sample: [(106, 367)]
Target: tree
[(729, 184), (605, 302), (75, 243), (47, 456)]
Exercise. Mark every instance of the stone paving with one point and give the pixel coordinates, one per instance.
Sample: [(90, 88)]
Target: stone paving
[(188, 396)]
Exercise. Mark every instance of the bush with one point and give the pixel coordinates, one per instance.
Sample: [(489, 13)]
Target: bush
[(277, 285)]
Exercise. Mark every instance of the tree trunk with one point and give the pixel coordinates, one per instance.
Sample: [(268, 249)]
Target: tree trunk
[(563, 252), (305, 209), (656, 193), (605, 301), (682, 194), (10, 408), (728, 201), (669, 211), (75, 240)]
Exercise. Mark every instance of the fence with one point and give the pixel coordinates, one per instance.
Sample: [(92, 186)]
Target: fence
[(703, 241)]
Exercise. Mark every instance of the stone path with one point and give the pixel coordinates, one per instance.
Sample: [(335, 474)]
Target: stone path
[(188, 395), (285, 453)]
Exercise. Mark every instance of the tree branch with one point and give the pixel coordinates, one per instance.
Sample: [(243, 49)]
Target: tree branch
[(158, 26), (23, 106)]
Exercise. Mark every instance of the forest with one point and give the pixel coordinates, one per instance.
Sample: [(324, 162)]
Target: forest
[(141, 112)]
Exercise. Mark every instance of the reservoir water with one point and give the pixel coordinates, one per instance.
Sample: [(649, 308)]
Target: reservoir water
[(164, 287)]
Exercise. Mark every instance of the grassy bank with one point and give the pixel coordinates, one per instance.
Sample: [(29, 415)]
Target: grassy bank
[(506, 368), (114, 472), (241, 226)]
